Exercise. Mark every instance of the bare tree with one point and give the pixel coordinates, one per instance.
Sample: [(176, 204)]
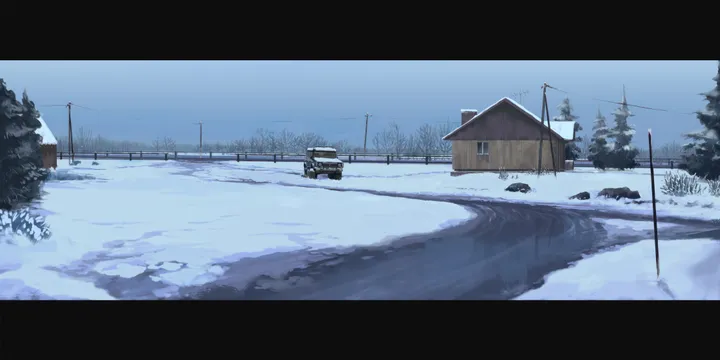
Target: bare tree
[(61, 143), (308, 139), (411, 145), (342, 146), (443, 147), (156, 144), (285, 141), (398, 140), (382, 142), (168, 144), (240, 145), (426, 139), (80, 139)]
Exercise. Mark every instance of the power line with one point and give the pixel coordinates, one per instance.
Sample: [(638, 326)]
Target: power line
[(623, 102)]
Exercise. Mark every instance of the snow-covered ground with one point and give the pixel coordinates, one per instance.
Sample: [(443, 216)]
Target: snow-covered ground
[(147, 215), (143, 215), (689, 270), (436, 180)]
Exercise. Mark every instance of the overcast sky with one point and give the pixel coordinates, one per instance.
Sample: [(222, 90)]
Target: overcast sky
[(141, 100)]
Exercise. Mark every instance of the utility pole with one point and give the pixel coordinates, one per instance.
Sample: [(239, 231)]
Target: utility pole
[(519, 95), (367, 119), (545, 114), (71, 148), (201, 143)]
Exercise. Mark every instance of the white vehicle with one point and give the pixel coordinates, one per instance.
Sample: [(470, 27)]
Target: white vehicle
[(322, 160)]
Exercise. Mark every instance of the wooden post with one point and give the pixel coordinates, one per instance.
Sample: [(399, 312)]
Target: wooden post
[(176, 155), (388, 159), (141, 155), (549, 130), (61, 155), (95, 156), (274, 158), (237, 157), (542, 124), (427, 159), (349, 159), (654, 206), (210, 155), (245, 156), (107, 154), (130, 156), (166, 156)]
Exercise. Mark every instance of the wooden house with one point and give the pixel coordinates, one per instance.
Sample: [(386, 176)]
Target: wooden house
[(48, 145), (506, 135)]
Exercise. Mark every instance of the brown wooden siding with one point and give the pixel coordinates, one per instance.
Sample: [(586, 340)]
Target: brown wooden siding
[(49, 155), (507, 154), (504, 122)]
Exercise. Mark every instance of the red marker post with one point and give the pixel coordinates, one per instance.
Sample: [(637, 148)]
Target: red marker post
[(654, 208)]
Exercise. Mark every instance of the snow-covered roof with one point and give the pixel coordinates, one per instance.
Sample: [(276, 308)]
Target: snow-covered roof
[(566, 129), (569, 136), (321, 149), (468, 110), (44, 131)]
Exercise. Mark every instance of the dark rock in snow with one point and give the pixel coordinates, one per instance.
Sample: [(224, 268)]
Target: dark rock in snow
[(581, 196), (619, 193), (521, 187), (95, 163)]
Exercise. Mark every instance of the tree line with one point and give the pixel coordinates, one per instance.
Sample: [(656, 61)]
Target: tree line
[(426, 140)]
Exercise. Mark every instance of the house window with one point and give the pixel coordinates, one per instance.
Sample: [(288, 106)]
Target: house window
[(483, 148)]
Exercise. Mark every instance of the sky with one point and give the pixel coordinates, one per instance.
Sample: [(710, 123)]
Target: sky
[(142, 100)]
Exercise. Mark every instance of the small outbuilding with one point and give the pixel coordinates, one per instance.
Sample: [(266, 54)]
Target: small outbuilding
[(48, 145), (507, 136)]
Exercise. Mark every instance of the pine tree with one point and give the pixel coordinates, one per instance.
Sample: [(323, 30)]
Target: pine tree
[(598, 145), (572, 150), (704, 157), (21, 170), (623, 153)]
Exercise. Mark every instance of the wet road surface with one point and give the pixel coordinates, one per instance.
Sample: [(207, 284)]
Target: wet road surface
[(505, 251)]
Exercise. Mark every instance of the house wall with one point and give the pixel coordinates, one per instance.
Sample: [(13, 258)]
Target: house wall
[(512, 155), (49, 155)]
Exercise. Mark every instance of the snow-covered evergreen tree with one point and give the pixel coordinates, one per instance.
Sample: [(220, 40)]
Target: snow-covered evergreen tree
[(623, 153), (598, 143), (572, 150), (704, 149), (21, 170)]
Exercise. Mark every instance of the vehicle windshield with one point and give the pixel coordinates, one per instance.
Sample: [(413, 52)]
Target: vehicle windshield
[(324, 154)]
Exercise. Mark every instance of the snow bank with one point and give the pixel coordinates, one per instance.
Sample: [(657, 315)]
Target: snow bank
[(689, 270)]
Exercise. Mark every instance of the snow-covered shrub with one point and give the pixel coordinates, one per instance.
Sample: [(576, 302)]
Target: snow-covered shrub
[(503, 174), (22, 223), (714, 187), (680, 184)]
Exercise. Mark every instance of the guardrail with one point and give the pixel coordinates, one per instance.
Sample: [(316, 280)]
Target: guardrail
[(667, 163), (267, 157)]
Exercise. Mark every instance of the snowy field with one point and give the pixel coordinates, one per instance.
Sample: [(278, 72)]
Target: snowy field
[(436, 180), (178, 221), (139, 216)]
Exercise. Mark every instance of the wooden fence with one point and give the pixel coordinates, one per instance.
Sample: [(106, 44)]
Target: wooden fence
[(281, 157)]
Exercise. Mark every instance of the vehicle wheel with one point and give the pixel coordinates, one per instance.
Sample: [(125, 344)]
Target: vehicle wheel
[(312, 175), (338, 176)]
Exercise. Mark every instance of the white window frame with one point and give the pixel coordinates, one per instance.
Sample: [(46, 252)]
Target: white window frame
[(483, 148)]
